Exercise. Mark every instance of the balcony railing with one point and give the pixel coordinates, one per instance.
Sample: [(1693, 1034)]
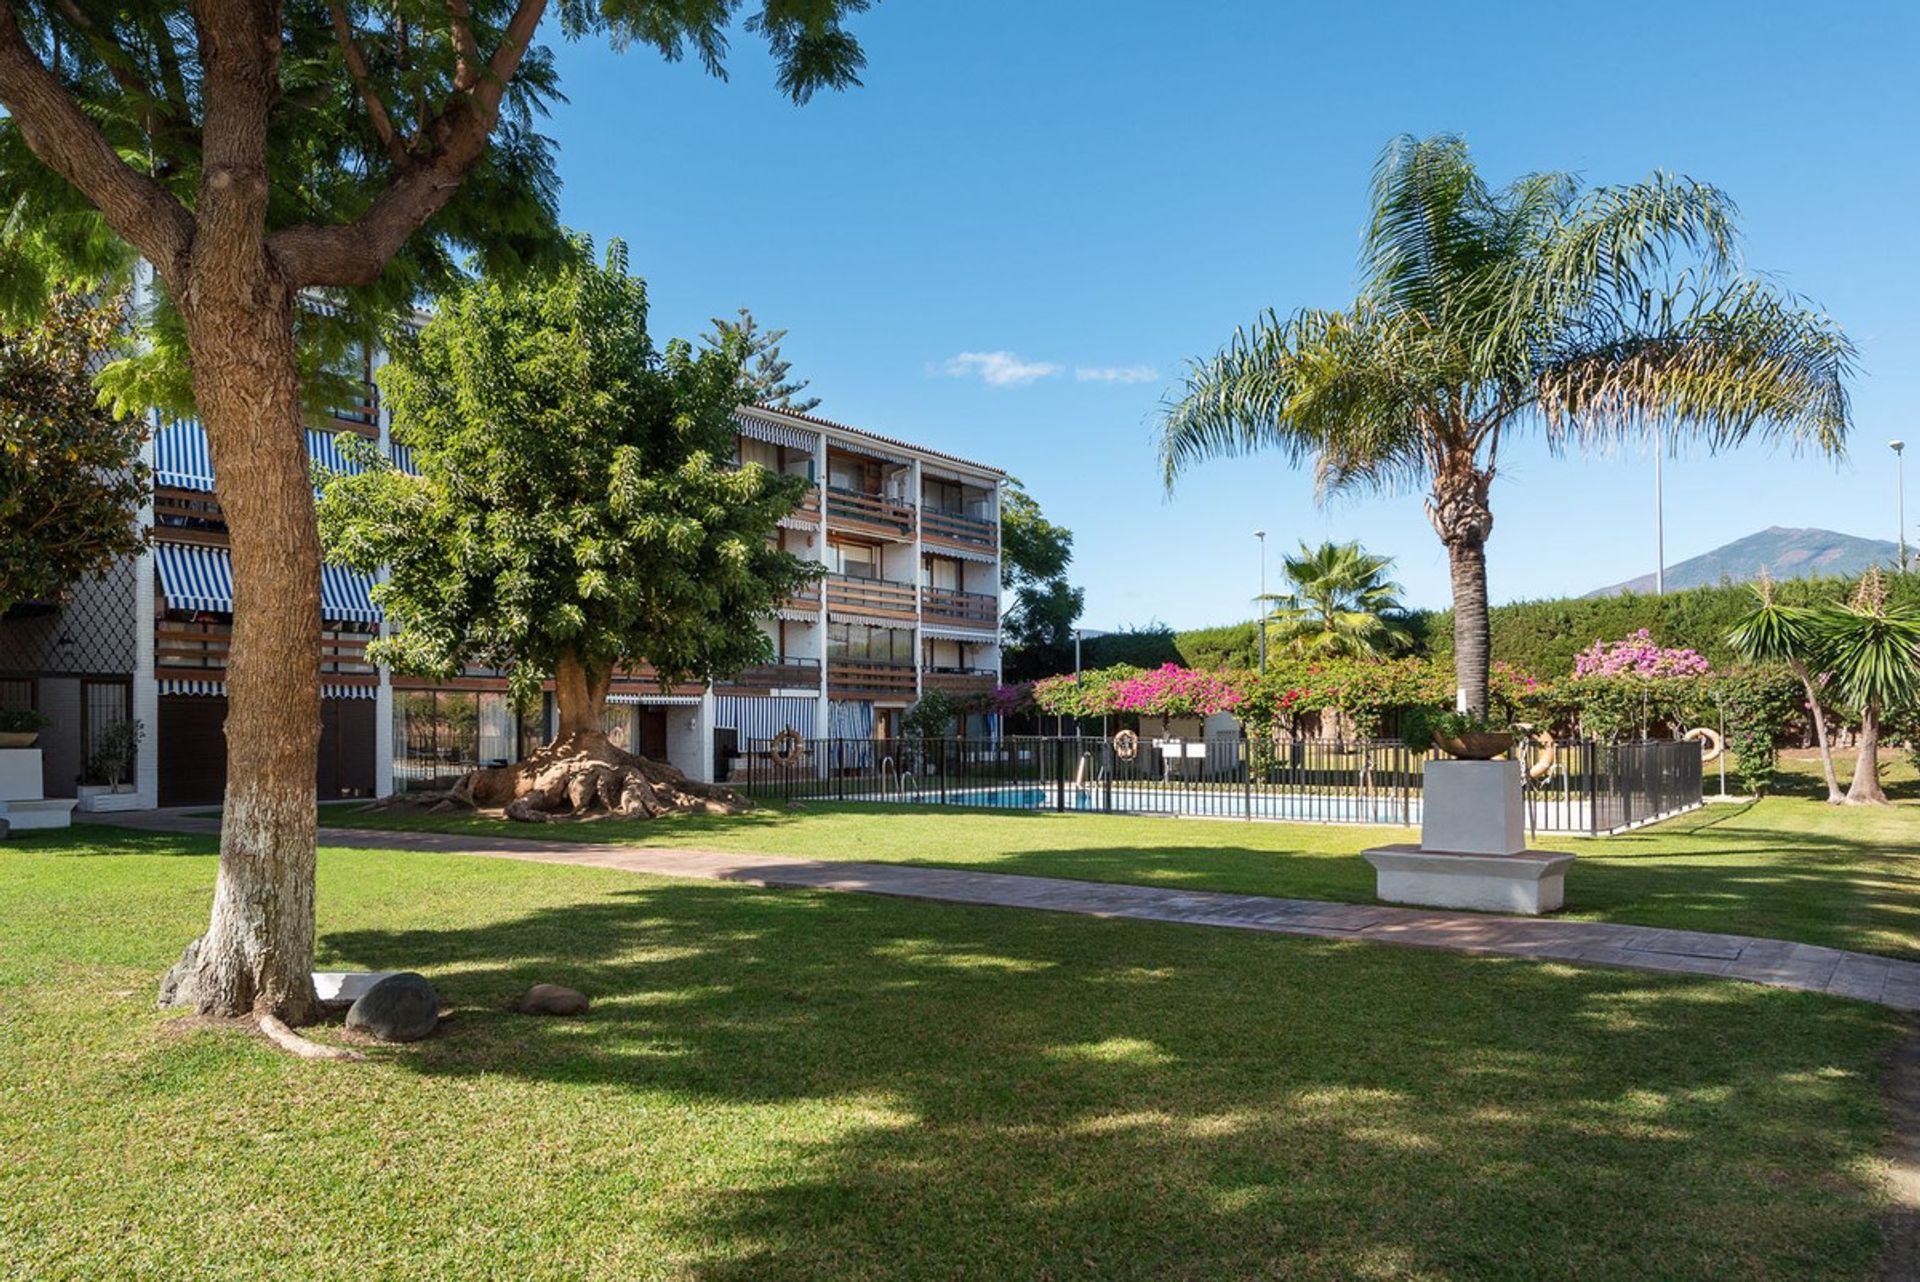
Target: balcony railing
[(202, 647), (855, 509), (858, 676), (973, 609), (960, 680), (870, 596), (785, 674), (805, 598), (937, 525), (808, 508)]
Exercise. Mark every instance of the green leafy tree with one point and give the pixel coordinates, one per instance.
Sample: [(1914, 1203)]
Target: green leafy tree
[(71, 479), (1034, 556), (1872, 650), (576, 511), (293, 173), (766, 377), (1341, 604), (1790, 635), (1588, 316)]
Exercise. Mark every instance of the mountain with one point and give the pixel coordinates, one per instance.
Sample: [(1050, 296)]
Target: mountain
[(1787, 554)]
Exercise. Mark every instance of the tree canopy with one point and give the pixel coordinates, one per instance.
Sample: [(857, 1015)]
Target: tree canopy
[(766, 377), (576, 505), (1341, 603), (71, 479), (1034, 556)]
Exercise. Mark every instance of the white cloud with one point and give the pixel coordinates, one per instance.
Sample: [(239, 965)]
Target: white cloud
[(999, 369), (1116, 373)]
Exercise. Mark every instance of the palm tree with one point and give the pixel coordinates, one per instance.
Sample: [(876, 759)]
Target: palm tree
[(1588, 315), (1791, 635), (1873, 651), (1342, 604)]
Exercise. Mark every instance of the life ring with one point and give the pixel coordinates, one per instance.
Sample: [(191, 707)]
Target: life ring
[(1542, 766), (1711, 744), (1126, 745), (787, 747)]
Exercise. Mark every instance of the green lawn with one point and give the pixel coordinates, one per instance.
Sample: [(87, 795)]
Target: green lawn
[(1788, 867), (792, 1085)]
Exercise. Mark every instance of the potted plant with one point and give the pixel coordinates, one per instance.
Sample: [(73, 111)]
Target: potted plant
[(19, 727), (115, 750), (1456, 734)]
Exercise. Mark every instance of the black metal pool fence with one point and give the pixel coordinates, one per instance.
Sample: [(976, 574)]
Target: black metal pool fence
[(1586, 787)]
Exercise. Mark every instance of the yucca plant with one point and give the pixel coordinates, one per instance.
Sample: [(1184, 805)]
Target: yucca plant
[(1789, 635), (1873, 651), (1590, 316)]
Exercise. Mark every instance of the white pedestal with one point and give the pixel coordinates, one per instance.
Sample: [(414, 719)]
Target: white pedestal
[(1473, 846), (98, 799), (19, 774), (1473, 808), (21, 804)]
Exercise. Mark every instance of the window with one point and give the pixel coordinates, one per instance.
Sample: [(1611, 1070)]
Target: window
[(845, 473), (862, 643), (855, 560), (943, 496), (941, 572), (764, 453)]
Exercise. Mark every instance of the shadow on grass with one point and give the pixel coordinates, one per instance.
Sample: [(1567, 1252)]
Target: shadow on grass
[(976, 1092), (84, 840)]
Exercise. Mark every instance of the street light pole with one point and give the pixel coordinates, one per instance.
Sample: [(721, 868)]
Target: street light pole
[(1900, 498), (1260, 614)]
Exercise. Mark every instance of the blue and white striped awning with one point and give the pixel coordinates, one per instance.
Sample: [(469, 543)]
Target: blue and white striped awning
[(972, 636), (402, 456), (323, 448), (657, 700), (849, 719), (180, 457), (757, 717), (794, 438), (218, 689), (196, 577), (347, 595), (182, 461)]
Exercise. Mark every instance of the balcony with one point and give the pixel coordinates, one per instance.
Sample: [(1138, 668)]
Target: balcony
[(807, 510), (957, 529), (960, 609), (876, 597), (960, 681), (783, 674), (860, 677), (805, 600), (859, 512), (199, 650)]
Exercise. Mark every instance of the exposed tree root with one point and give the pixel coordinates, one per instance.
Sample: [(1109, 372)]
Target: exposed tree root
[(585, 775), (287, 1040)]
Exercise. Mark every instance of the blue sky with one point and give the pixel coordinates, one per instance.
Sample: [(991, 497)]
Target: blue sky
[(1100, 191)]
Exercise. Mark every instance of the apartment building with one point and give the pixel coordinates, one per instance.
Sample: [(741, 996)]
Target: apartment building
[(911, 601)]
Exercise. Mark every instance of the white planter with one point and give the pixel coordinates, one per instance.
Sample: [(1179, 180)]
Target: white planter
[(98, 799)]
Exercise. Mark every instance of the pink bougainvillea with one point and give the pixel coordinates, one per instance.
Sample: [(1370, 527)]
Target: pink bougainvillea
[(1639, 656), (1173, 691)]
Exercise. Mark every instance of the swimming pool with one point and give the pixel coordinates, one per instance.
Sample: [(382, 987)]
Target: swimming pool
[(1224, 803)]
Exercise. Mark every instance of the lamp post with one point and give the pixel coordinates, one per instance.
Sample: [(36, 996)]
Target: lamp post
[(1900, 498), (1260, 617)]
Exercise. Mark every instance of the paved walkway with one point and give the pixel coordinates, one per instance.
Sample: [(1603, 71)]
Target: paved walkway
[(1775, 962)]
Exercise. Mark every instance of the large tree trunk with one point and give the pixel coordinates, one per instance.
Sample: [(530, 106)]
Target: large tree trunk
[(1460, 515), (580, 697), (1834, 795), (1866, 790), (257, 954), (582, 773)]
